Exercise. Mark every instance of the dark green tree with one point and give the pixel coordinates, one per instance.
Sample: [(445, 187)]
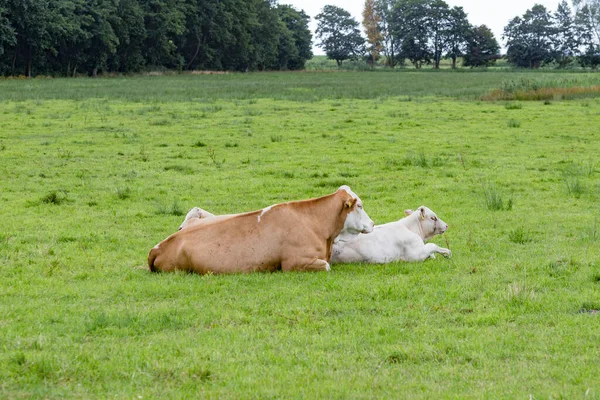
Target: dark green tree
[(410, 24), (584, 27), (592, 15), (102, 40), (383, 9), (130, 31), (565, 40), (339, 34), (163, 21), (7, 33), (530, 39), (482, 47), (457, 34), (297, 23), (438, 25)]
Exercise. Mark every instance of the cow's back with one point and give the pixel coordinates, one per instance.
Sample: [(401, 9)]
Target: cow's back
[(239, 243)]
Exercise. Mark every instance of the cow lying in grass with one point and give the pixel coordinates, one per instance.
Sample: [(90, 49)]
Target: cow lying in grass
[(402, 240), (297, 235)]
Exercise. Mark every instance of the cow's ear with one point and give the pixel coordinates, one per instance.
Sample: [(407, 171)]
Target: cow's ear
[(422, 212), (408, 212), (350, 203)]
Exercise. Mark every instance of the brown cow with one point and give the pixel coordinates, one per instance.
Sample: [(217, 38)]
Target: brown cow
[(297, 235)]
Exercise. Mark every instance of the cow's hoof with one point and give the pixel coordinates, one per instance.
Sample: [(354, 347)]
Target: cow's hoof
[(447, 254)]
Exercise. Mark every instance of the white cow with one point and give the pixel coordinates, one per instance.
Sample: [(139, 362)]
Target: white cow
[(401, 240)]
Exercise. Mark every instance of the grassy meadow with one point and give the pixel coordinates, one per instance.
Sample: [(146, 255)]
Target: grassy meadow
[(95, 172)]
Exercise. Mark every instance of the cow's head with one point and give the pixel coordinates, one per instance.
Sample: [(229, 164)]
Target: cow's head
[(195, 213), (357, 220), (430, 224)]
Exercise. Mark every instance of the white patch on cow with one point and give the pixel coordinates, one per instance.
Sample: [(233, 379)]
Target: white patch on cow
[(263, 212), (157, 246)]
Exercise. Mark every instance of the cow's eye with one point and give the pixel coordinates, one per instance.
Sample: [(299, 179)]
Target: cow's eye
[(359, 205), (434, 218)]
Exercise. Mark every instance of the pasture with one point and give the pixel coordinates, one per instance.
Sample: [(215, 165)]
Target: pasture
[(96, 172)]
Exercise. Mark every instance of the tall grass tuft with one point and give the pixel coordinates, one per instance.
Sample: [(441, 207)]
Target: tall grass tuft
[(171, 209), (123, 192), (494, 200), (519, 236), (213, 157), (57, 197), (513, 123), (513, 106)]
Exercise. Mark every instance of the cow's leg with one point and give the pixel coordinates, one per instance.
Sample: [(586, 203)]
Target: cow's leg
[(428, 251), (305, 264)]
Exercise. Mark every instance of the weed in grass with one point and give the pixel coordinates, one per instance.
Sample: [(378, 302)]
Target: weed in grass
[(574, 186), (180, 168), (519, 236), (590, 308), (199, 143), (211, 109), (438, 161), (398, 357), (513, 123), (562, 267), (171, 209), (493, 199), (160, 122), (231, 144), (418, 160), (592, 233), (144, 155), (346, 174), (57, 197), (590, 168), (252, 112), (596, 278), (276, 138), (288, 175), (547, 102), (513, 106), (18, 358), (213, 157), (123, 192), (332, 184), (461, 159), (2, 146), (519, 294)]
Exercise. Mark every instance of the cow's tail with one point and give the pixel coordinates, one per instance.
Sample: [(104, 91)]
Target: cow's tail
[(151, 257)]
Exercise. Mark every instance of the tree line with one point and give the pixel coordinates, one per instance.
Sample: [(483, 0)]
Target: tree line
[(69, 37), (425, 31)]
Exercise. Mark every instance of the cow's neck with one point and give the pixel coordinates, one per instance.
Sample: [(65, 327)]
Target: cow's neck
[(413, 225), (329, 212)]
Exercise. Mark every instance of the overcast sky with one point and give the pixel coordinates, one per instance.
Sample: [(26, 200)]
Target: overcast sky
[(494, 14)]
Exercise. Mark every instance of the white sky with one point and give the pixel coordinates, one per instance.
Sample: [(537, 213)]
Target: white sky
[(494, 14)]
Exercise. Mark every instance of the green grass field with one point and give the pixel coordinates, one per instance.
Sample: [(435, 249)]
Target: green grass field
[(95, 172)]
